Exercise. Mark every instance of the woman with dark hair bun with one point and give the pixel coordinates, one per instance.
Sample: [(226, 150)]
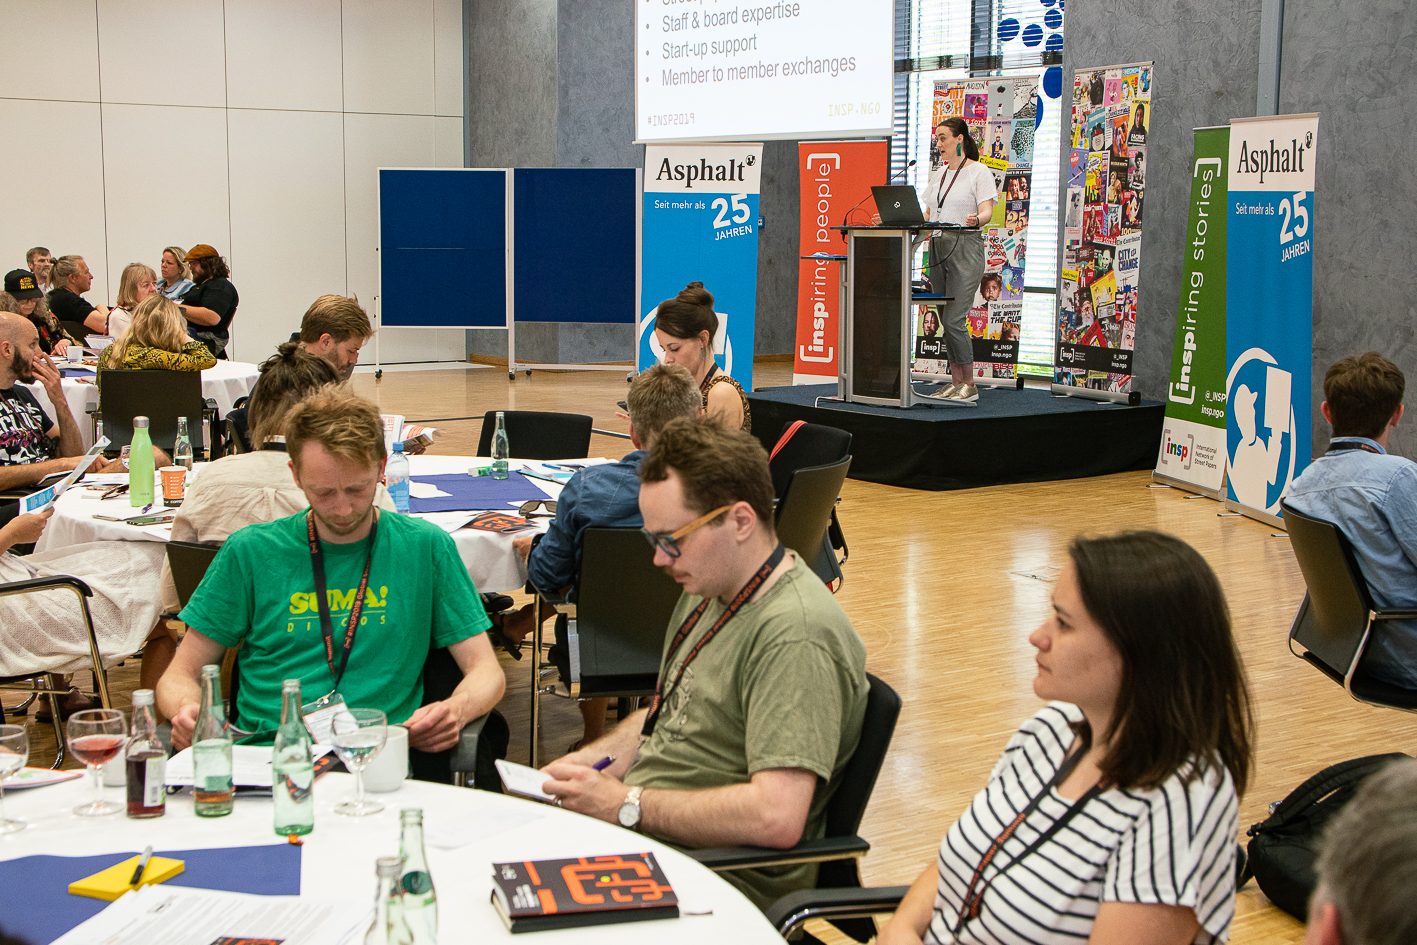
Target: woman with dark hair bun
[(961, 192), (685, 327), (1112, 815)]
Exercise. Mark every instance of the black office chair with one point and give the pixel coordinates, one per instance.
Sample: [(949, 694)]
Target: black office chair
[(622, 614), (799, 446), (188, 561), (162, 397), (804, 516), (472, 761), (1337, 616), (41, 682), (537, 434), (839, 848)]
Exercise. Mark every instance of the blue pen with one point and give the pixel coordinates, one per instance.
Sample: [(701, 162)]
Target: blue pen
[(604, 763)]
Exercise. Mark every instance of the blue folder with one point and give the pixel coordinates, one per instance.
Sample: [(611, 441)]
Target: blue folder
[(39, 908)]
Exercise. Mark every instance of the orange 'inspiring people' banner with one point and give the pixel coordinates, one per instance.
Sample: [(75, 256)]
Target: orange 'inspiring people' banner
[(835, 177)]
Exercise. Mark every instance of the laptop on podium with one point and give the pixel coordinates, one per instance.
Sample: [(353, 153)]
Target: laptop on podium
[(897, 203)]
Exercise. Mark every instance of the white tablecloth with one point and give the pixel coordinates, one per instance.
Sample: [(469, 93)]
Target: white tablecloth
[(489, 557), (337, 860), (226, 383)]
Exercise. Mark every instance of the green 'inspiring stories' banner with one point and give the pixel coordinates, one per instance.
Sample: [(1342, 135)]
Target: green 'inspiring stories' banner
[(1193, 441)]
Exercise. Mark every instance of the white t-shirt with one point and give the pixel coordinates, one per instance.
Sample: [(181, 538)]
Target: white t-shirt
[(975, 185), (1173, 845)]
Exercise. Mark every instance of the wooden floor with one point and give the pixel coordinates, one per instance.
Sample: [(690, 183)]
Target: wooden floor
[(944, 588)]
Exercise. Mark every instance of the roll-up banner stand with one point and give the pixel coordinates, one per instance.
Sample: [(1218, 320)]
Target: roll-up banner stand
[(1002, 115), (1193, 450), (1102, 227), (1269, 352), (701, 225), (836, 179)]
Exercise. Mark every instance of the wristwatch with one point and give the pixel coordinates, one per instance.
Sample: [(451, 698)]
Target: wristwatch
[(630, 810)]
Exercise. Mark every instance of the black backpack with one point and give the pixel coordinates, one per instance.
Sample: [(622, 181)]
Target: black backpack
[(1284, 846)]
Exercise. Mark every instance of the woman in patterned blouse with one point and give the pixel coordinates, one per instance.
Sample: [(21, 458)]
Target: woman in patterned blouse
[(157, 338)]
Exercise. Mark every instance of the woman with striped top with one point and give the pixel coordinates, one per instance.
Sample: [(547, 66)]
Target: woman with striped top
[(1112, 815)]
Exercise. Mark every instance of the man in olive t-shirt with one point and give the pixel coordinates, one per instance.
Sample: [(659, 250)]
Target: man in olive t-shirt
[(261, 593), (749, 732)]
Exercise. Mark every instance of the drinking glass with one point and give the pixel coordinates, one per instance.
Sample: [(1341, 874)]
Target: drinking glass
[(14, 752), (358, 736), (97, 736)]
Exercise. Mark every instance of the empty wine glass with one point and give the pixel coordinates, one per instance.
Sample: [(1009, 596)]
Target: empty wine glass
[(358, 736), (14, 752), (96, 736)]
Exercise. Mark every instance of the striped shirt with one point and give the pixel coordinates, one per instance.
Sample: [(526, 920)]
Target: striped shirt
[(1171, 845)]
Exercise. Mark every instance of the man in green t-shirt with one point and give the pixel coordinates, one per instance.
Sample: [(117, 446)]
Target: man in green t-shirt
[(262, 594), (749, 732)]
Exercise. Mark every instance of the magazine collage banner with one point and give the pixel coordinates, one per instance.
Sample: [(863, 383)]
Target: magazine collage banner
[(1192, 454), (836, 179), (1269, 352), (701, 224), (1102, 227), (1002, 115)]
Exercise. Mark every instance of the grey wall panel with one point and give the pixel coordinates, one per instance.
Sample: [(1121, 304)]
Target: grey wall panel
[(511, 83), (777, 249), (596, 85), (1354, 65), (1207, 61)]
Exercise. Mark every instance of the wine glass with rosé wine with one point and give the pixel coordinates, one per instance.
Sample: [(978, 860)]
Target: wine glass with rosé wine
[(96, 736)]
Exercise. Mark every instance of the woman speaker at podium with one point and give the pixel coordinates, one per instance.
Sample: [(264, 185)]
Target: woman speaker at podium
[(961, 192)]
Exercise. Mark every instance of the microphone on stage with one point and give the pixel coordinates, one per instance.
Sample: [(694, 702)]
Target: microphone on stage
[(847, 215)]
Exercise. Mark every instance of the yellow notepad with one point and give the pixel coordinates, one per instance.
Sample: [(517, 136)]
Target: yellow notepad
[(113, 882)]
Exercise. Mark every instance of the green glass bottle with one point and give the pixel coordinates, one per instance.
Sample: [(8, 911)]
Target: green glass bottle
[(420, 901), (292, 767), (211, 748)]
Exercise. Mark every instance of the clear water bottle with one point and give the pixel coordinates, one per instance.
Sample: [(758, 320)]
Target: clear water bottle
[(292, 767), (182, 449), (420, 902), (145, 761), (140, 465), (396, 478), (211, 750), (501, 452), (388, 927)]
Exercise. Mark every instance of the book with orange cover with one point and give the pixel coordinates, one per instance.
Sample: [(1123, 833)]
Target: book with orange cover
[(536, 895)]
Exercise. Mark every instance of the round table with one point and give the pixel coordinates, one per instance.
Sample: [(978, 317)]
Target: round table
[(225, 383), (337, 860), (489, 557)]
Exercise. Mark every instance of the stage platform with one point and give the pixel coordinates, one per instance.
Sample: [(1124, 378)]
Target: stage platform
[(1011, 436)]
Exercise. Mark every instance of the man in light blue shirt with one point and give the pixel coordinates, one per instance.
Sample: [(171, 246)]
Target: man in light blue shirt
[(1372, 497)]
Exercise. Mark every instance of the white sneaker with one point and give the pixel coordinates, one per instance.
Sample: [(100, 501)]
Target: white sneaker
[(966, 393)]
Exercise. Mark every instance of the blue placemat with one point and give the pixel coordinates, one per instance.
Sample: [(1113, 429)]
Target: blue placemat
[(39, 908), (77, 372), (475, 492)]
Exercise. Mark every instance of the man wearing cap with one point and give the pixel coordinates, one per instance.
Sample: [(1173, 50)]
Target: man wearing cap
[(210, 305), (38, 261), (23, 288)]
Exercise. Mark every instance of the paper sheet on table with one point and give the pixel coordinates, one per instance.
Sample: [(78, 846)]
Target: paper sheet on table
[(176, 915), (447, 521), (44, 498), (425, 490), (250, 765), (524, 781)]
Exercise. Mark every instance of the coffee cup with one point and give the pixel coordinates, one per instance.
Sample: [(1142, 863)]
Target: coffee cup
[(389, 769)]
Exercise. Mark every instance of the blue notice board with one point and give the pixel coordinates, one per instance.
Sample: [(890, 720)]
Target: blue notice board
[(443, 246), (574, 239)]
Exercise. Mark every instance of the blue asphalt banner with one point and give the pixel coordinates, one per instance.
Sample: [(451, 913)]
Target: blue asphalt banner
[(1270, 295), (701, 225)]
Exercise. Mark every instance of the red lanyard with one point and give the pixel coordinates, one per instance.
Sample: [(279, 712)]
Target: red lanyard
[(749, 589), (969, 909), (322, 598)]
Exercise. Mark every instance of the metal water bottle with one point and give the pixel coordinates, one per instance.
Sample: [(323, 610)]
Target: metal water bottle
[(211, 750), (420, 901), (292, 767), (501, 452), (140, 465)]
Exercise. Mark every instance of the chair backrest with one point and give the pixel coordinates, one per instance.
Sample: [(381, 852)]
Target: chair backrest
[(1333, 622), (538, 434), (161, 396), (189, 561), (811, 444), (806, 507), (622, 612), (858, 779)]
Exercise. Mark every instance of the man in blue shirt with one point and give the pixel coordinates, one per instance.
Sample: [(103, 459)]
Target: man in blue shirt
[(1372, 497), (605, 496)]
